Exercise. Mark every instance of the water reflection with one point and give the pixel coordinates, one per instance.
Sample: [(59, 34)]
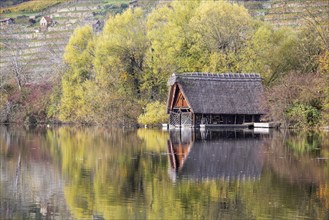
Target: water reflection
[(85, 173), (31, 184), (214, 154), (299, 157)]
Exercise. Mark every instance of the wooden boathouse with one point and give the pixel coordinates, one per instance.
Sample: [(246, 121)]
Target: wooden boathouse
[(229, 99)]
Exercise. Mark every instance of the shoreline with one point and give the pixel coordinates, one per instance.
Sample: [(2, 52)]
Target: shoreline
[(76, 124)]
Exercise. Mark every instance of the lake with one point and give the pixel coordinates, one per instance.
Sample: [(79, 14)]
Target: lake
[(102, 173)]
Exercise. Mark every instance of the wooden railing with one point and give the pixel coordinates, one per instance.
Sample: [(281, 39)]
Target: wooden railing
[(183, 119)]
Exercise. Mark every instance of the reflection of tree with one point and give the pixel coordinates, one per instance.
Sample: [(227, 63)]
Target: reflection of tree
[(323, 194), (294, 182), (31, 181), (304, 142), (118, 174), (96, 174), (114, 175), (292, 157), (154, 140), (119, 180), (276, 199)]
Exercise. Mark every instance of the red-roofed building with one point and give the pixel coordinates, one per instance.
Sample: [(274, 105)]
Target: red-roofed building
[(45, 21)]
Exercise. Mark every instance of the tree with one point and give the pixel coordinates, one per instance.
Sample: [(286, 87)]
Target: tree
[(324, 70), (127, 66), (199, 36), (78, 56), (17, 66), (154, 114), (170, 40), (271, 52), (221, 26), (120, 52), (221, 29), (101, 84), (316, 24)]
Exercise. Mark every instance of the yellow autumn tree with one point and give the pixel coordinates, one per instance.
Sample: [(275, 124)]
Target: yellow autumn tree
[(154, 114), (78, 56), (120, 52)]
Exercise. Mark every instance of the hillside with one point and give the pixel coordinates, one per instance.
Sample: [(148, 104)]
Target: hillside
[(37, 51), (8, 3), (297, 12), (28, 6), (284, 12)]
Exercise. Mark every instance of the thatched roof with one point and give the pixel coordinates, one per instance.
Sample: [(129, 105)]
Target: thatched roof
[(220, 93)]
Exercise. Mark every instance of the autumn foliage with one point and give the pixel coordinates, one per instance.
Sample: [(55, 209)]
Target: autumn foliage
[(114, 75)]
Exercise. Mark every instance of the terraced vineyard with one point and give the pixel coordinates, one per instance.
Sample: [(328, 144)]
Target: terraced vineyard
[(38, 53), (297, 12), (284, 12)]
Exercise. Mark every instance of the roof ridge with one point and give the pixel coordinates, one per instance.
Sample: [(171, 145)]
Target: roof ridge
[(219, 75), (232, 77)]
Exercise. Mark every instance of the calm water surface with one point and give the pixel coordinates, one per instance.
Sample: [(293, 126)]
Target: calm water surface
[(98, 173)]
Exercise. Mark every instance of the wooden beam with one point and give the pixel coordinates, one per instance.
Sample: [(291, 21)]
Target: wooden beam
[(174, 87), (182, 91)]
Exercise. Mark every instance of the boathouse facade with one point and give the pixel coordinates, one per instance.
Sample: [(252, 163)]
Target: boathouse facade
[(214, 99)]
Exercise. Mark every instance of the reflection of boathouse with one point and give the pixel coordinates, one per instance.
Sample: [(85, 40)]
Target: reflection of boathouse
[(214, 99), (218, 154)]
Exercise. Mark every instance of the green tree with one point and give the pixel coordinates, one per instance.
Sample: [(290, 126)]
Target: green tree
[(112, 75), (199, 36), (119, 65), (270, 52), (324, 70), (154, 114), (171, 49), (120, 52), (221, 29), (79, 56), (274, 53), (304, 116)]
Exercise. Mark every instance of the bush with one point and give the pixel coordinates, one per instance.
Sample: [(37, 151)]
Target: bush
[(124, 5), (155, 113), (29, 105), (303, 116)]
